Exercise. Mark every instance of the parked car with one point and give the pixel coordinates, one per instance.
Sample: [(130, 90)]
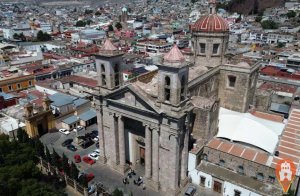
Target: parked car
[(190, 191), (72, 147), (97, 144), (67, 142), (88, 160), (97, 151), (64, 131), (89, 176), (86, 143), (94, 156), (77, 158), (138, 181), (96, 139), (95, 132), (78, 128)]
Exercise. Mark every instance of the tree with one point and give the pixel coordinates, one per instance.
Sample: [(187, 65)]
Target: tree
[(43, 36), (88, 22), (118, 25), (117, 192), (193, 1), (88, 11), (80, 23), (110, 28), (39, 148), (97, 13), (258, 18), (280, 45), (291, 14), (48, 155), (55, 159), (74, 172), (22, 136), (269, 24), (65, 165), (19, 174)]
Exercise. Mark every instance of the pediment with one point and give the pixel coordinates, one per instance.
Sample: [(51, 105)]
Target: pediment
[(128, 97)]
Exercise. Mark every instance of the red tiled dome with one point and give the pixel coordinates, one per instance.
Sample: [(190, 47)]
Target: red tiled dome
[(211, 24)]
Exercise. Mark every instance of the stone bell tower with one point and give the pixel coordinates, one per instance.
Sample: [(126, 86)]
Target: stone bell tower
[(173, 78), (210, 35)]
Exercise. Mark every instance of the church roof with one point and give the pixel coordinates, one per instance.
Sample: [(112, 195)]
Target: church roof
[(174, 55), (108, 46), (211, 23)]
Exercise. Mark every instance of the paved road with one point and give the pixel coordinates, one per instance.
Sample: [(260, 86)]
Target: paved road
[(108, 177)]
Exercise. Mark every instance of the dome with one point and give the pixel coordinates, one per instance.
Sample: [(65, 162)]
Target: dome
[(211, 24), (124, 9), (243, 64)]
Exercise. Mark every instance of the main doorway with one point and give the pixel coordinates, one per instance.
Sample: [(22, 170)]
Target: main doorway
[(142, 156)]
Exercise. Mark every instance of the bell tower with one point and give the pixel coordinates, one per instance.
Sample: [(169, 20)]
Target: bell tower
[(173, 78), (108, 64)]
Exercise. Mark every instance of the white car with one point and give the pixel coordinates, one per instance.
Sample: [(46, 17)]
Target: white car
[(64, 131), (78, 128), (96, 151), (96, 139), (93, 156)]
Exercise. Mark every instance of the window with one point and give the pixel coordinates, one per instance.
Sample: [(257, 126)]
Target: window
[(29, 83), (240, 169), (260, 176), (116, 70), (9, 88), (205, 157), (182, 93), (216, 48), (103, 75), (18, 85), (231, 81), (237, 193), (202, 180), (222, 162), (202, 48), (271, 179), (167, 88)]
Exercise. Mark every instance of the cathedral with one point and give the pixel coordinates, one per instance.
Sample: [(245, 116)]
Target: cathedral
[(150, 124)]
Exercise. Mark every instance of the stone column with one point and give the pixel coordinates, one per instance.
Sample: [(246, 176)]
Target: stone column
[(148, 152), (155, 153), (101, 135), (121, 141), (115, 140), (184, 156)]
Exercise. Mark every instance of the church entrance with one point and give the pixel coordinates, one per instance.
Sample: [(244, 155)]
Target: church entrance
[(134, 144), (142, 156)]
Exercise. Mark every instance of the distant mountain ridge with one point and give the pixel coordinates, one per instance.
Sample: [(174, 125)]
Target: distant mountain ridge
[(253, 6)]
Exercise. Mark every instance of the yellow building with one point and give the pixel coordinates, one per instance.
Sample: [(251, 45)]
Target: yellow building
[(40, 122)]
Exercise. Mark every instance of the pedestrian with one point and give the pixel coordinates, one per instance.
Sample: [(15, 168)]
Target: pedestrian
[(144, 186)]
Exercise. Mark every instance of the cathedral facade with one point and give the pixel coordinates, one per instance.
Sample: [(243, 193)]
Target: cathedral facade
[(151, 123)]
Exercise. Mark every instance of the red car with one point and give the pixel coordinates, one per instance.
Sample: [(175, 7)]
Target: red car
[(88, 160), (88, 177), (77, 158)]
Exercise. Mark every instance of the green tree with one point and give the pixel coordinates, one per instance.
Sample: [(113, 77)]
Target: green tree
[(43, 36), (39, 148), (65, 165), (22, 136), (97, 13), (269, 24), (18, 172), (118, 25), (88, 22), (48, 155), (110, 28), (55, 159), (193, 1), (291, 14), (74, 172), (80, 23), (117, 192), (280, 45), (258, 18)]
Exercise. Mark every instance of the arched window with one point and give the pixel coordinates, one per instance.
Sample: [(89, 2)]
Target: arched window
[(116, 70), (182, 91), (167, 88), (260, 176), (204, 157), (240, 169), (222, 162), (103, 75)]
